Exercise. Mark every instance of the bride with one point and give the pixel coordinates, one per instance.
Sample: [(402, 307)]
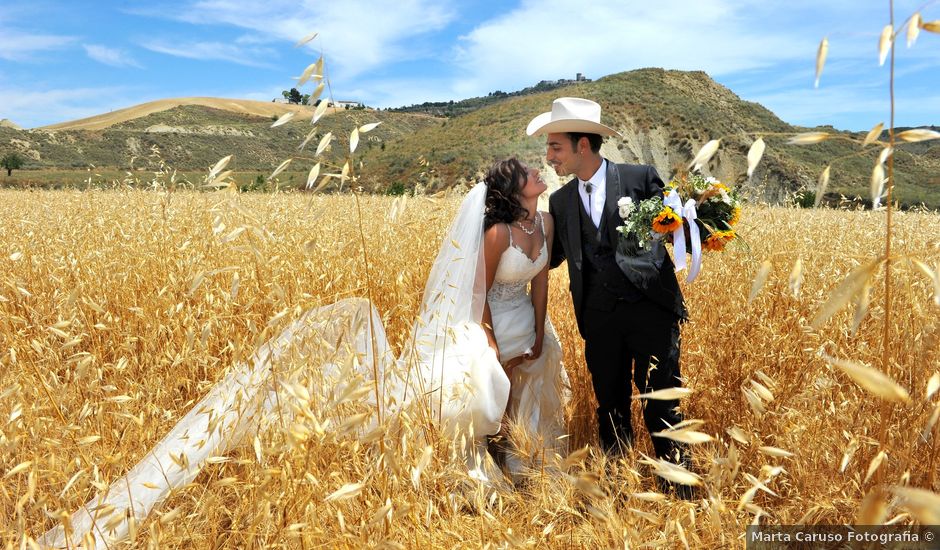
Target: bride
[(481, 352)]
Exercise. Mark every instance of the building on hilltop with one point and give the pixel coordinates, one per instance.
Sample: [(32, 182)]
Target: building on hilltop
[(579, 77), (338, 104)]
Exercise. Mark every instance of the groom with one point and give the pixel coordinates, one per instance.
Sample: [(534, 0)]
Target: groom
[(628, 308)]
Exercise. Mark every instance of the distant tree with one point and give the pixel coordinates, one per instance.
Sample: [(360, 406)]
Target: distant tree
[(294, 96), (305, 99), (11, 161), (286, 94)]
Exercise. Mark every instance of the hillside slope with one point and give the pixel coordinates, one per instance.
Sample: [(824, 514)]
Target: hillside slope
[(664, 117), (194, 137), (241, 106)]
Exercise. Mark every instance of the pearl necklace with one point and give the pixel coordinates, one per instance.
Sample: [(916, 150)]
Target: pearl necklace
[(528, 231)]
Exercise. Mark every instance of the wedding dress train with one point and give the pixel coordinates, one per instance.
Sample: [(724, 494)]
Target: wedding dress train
[(335, 358)]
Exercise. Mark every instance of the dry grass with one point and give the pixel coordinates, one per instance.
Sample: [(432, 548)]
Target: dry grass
[(242, 106), (104, 333)]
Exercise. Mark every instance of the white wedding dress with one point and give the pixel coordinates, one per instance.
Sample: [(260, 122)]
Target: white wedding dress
[(333, 371), (539, 387)]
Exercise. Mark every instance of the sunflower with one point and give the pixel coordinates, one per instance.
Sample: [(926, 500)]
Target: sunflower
[(667, 221), (735, 215), (718, 239)]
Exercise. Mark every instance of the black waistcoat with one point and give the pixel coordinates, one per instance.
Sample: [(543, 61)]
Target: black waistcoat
[(604, 282)]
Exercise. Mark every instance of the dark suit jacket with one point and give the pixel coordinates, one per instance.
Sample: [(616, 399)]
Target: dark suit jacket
[(653, 272)]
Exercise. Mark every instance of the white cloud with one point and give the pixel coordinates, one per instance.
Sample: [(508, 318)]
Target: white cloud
[(357, 35), (408, 52), (547, 39), (766, 50), (30, 108), (21, 46), (215, 51), (110, 56)]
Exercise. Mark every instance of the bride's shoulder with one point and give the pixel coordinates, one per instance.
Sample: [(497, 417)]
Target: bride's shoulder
[(547, 220), (496, 236)]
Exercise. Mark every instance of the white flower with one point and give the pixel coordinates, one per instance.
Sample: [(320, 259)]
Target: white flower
[(711, 179), (725, 197), (625, 205)]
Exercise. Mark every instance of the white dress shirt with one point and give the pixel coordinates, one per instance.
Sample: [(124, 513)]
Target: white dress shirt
[(594, 201)]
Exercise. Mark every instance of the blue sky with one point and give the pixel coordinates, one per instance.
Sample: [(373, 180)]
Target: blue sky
[(61, 60)]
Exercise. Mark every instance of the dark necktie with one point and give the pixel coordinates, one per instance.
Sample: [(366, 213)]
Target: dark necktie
[(588, 187)]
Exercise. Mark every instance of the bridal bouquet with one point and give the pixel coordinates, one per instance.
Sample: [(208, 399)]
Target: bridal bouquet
[(704, 222), (647, 221), (718, 208)]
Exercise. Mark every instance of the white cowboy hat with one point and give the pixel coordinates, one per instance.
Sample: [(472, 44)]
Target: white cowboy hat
[(570, 114)]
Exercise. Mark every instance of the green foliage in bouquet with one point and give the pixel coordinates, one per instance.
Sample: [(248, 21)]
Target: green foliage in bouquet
[(718, 208), (647, 220)]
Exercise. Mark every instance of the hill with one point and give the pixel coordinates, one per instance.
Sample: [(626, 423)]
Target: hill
[(664, 117), (456, 108), (242, 106), (7, 123), (193, 137)]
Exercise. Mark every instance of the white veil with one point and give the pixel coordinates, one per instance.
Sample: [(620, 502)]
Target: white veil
[(311, 370), (455, 291)]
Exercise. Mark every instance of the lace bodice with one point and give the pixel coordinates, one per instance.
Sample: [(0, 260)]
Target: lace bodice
[(514, 272)]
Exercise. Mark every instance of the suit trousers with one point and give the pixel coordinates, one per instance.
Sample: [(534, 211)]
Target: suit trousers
[(633, 342)]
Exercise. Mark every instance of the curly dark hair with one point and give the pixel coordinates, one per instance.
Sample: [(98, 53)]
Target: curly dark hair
[(503, 182)]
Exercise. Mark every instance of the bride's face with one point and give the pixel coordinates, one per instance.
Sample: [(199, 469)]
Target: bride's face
[(534, 185)]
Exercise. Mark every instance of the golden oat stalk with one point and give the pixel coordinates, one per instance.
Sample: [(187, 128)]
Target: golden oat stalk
[(924, 504), (808, 138), (763, 273), (873, 380), (754, 154), (884, 43), (821, 54), (821, 185), (847, 290), (873, 135), (704, 154), (284, 119)]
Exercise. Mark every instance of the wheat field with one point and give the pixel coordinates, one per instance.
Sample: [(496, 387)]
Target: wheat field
[(119, 309)]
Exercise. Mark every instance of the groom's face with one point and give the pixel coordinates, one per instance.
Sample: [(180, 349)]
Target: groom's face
[(560, 153)]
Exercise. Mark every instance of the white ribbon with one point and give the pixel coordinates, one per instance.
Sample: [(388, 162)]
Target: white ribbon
[(673, 201), (688, 212)]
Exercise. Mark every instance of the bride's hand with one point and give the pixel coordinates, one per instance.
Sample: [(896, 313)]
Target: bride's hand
[(535, 351), (495, 349), (512, 363)]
